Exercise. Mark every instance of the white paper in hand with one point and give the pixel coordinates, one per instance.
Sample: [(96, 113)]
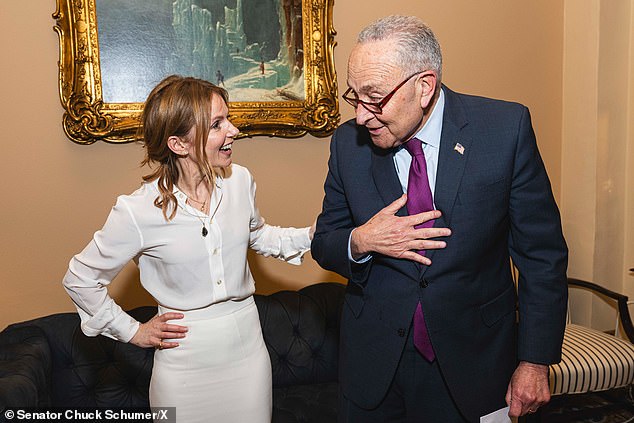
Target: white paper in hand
[(500, 416)]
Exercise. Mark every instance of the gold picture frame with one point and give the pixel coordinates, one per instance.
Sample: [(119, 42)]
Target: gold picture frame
[(88, 118)]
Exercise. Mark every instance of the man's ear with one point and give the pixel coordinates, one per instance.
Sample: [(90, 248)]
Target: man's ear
[(427, 82), (179, 146)]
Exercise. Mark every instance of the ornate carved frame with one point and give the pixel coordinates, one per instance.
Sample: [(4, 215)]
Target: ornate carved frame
[(88, 119)]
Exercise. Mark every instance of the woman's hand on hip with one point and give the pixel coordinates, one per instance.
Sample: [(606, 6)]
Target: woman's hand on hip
[(153, 332)]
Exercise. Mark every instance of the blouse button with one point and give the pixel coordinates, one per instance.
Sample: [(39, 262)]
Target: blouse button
[(214, 251), (219, 282)]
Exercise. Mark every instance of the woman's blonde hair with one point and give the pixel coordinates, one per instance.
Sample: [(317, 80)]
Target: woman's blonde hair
[(176, 106)]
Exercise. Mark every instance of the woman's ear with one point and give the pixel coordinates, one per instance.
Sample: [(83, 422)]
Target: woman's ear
[(179, 146), (427, 83)]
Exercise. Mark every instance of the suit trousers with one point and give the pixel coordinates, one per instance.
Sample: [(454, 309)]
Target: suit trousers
[(418, 394)]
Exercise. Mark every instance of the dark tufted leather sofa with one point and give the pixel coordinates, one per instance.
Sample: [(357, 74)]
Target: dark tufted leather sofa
[(49, 362)]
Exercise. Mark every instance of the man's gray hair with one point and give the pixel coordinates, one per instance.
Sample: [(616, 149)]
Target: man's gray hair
[(418, 48)]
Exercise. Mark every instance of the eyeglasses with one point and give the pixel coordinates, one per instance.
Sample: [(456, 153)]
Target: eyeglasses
[(374, 107)]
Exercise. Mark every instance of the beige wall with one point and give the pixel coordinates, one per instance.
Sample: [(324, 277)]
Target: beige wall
[(56, 193), (598, 149)]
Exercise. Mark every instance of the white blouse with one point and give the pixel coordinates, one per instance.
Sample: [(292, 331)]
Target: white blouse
[(179, 267)]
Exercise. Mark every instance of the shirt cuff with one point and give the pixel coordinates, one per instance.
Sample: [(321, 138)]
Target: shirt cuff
[(363, 259), (301, 241)]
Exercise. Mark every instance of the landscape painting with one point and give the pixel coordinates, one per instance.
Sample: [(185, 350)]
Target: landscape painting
[(274, 57), (253, 48)]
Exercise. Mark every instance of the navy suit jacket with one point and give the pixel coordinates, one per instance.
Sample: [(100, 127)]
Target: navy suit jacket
[(496, 198)]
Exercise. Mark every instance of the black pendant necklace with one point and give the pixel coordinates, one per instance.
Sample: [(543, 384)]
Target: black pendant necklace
[(202, 209), (204, 230), (201, 216)]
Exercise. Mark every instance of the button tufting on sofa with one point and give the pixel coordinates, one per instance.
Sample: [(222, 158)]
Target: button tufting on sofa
[(48, 361)]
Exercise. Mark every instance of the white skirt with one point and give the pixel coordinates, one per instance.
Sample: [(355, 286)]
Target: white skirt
[(220, 372)]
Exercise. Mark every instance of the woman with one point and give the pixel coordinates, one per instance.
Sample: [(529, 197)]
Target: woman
[(188, 228)]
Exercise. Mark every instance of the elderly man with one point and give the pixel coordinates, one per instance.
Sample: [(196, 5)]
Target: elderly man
[(428, 196)]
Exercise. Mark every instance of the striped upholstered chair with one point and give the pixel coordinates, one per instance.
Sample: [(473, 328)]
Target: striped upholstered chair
[(592, 360)]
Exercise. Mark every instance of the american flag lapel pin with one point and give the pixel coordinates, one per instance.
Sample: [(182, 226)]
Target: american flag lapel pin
[(459, 148)]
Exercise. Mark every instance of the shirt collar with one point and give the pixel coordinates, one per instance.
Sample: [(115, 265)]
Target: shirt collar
[(182, 197), (430, 132)]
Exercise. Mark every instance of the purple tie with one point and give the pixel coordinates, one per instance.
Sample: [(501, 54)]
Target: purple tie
[(419, 199)]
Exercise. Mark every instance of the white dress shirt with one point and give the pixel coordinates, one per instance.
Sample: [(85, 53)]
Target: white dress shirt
[(179, 267), (430, 136)]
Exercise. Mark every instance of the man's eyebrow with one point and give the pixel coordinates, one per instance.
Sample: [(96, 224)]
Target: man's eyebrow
[(364, 89)]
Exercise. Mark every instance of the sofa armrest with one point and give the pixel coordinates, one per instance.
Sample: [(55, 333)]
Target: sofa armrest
[(25, 367), (89, 371)]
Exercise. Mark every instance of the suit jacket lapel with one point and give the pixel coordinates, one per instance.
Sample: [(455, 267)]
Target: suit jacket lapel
[(451, 162), (386, 178)]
